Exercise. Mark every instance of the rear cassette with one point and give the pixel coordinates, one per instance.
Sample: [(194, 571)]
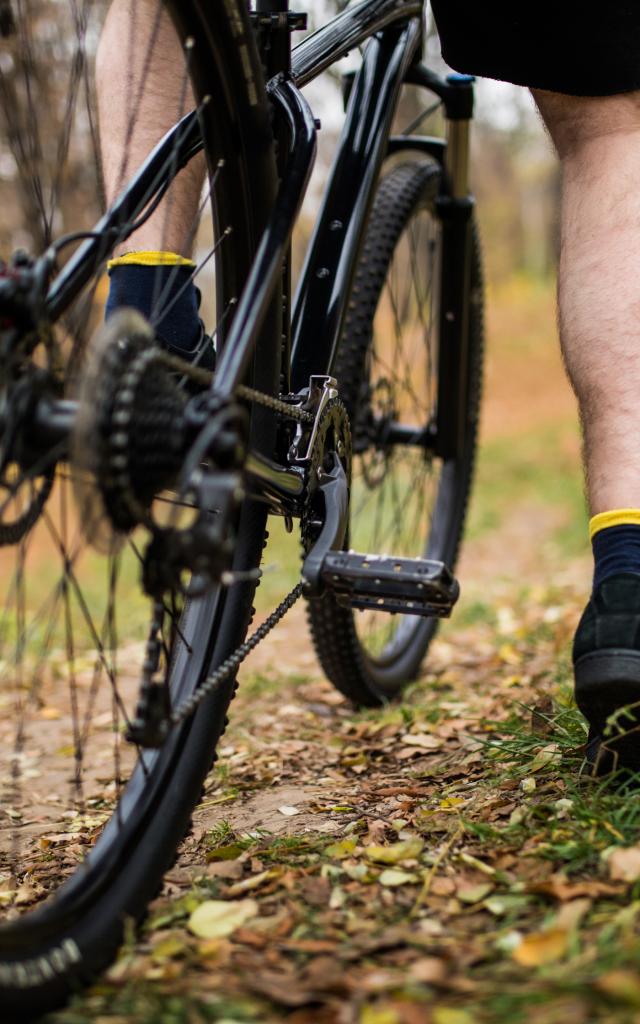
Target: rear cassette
[(127, 444)]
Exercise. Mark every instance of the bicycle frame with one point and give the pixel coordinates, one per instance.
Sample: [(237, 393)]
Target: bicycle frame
[(392, 30)]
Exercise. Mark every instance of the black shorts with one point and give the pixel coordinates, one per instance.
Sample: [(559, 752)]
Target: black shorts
[(560, 45)]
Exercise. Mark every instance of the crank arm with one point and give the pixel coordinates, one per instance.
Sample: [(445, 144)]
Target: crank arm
[(334, 487)]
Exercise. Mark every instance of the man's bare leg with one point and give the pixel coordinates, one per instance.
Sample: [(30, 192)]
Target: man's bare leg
[(143, 90), (598, 141)]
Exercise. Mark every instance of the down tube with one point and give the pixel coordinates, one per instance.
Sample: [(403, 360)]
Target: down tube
[(326, 279)]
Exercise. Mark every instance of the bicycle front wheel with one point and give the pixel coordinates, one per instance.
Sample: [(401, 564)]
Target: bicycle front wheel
[(89, 822), (404, 500)]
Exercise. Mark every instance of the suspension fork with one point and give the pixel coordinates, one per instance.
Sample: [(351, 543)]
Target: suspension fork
[(454, 207)]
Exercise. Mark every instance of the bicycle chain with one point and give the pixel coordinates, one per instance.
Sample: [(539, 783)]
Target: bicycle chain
[(200, 376), (233, 662)]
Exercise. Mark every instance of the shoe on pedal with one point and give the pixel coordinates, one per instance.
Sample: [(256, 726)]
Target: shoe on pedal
[(606, 659)]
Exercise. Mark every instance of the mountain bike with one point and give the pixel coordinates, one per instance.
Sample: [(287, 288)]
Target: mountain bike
[(136, 487)]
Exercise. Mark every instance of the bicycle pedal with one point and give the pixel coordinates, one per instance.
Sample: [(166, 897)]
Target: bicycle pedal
[(411, 586)]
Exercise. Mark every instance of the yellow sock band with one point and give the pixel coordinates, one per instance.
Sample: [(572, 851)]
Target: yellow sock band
[(150, 259), (617, 517)]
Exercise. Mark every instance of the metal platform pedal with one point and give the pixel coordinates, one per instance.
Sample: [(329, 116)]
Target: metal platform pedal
[(410, 586)]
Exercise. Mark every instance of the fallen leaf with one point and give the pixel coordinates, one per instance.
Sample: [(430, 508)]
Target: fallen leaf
[(624, 864), (315, 890), (542, 947), (229, 852), (288, 811), (621, 985), (379, 1015), (474, 893), (570, 914), (442, 886), (561, 889), (449, 1015), (392, 877), (338, 851), (254, 882), (169, 948), (215, 919), (499, 905), (50, 714), (429, 970), (545, 756), (408, 849), (422, 740)]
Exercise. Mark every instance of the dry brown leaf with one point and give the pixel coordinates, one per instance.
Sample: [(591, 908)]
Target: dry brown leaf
[(254, 882), (423, 740), (561, 889), (570, 915), (621, 985), (624, 864), (315, 890), (429, 970)]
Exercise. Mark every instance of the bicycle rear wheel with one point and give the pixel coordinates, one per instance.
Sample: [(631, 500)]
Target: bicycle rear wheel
[(404, 501), (90, 823)]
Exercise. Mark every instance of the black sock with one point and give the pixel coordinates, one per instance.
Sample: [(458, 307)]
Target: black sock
[(159, 286), (616, 549)]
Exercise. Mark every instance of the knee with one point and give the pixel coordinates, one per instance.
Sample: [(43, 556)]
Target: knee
[(574, 122)]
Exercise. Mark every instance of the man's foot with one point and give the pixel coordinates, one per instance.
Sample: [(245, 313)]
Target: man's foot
[(606, 658)]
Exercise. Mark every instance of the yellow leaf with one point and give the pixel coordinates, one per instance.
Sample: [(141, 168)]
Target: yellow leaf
[(448, 1015), (542, 947), (624, 864), (450, 803), (408, 849), (214, 919), (379, 1015), (50, 714), (338, 851), (171, 947), (509, 655)]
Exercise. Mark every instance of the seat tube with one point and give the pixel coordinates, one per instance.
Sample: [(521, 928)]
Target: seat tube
[(274, 24)]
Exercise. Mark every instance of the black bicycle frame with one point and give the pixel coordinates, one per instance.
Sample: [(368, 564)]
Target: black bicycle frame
[(392, 30)]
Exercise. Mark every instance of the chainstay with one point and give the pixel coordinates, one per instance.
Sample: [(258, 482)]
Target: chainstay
[(233, 662), (200, 376)]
